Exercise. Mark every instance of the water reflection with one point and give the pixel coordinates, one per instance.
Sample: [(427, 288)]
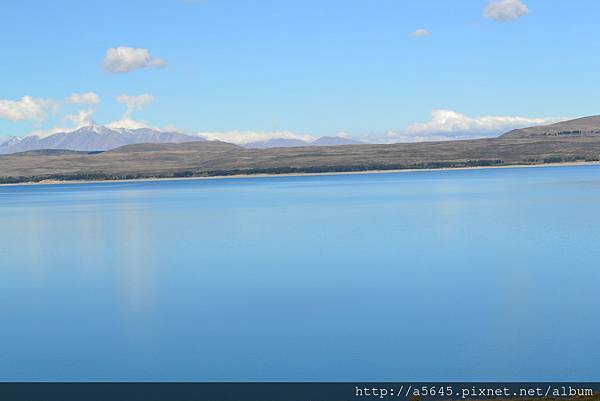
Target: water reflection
[(302, 278)]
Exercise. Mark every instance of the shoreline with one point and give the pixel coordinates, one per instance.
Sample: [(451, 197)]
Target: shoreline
[(238, 176)]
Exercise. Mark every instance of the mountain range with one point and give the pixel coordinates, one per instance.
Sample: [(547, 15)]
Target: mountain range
[(95, 138), (292, 143), (569, 141)]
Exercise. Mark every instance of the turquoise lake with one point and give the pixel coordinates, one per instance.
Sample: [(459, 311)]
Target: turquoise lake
[(488, 274)]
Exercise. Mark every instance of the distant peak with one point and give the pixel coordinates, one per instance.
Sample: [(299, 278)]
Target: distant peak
[(334, 141), (9, 140)]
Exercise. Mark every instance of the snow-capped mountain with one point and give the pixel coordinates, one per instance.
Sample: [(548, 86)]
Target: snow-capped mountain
[(289, 143), (10, 141), (94, 138)]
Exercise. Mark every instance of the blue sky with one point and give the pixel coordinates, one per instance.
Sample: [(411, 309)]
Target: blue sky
[(307, 67)]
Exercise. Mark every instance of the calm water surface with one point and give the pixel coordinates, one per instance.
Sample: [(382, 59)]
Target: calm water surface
[(447, 275)]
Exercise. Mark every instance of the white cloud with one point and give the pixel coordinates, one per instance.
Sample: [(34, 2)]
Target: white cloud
[(448, 125), (81, 119), (420, 33), (126, 59), (244, 137), (27, 108), (133, 103), (505, 10), (84, 98)]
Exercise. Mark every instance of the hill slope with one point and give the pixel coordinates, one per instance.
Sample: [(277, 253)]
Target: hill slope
[(584, 126)]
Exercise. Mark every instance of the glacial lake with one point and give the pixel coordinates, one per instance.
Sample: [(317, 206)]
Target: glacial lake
[(490, 274)]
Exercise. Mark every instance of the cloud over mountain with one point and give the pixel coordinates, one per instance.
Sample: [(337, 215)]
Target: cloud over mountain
[(133, 103), (245, 137), (448, 124)]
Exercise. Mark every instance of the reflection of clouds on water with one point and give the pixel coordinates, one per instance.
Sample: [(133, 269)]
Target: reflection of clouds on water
[(92, 235), (135, 256), (25, 239), (115, 238), (82, 239)]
